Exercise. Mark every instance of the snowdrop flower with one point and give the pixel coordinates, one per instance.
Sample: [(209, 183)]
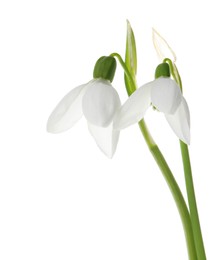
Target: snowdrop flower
[(165, 95), (98, 101)]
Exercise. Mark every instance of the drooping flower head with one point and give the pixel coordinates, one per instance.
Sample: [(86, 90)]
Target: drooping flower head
[(165, 95), (98, 101)]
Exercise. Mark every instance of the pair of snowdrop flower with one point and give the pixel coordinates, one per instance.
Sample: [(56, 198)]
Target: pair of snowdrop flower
[(100, 104)]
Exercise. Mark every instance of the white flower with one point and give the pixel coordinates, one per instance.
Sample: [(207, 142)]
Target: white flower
[(98, 101), (165, 95)]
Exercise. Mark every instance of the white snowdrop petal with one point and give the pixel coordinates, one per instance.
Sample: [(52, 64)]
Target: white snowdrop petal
[(100, 103), (166, 95), (106, 138), (134, 108), (180, 122), (68, 111)]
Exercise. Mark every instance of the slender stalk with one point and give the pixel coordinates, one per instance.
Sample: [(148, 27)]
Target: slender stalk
[(174, 188), (132, 85), (192, 202), (162, 164), (189, 181)]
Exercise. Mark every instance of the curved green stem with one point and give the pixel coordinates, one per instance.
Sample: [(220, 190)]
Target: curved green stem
[(174, 188), (161, 162), (174, 72), (198, 238), (132, 86)]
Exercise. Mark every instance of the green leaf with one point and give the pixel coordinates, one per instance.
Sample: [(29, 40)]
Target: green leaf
[(130, 55)]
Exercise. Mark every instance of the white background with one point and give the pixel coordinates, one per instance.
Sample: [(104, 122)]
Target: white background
[(60, 197)]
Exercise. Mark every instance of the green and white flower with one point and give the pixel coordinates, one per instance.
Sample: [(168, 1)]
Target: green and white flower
[(99, 102), (165, 95)]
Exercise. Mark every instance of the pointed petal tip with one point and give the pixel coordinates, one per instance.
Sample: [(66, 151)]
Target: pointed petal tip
[(52, 129), (188, 142), (109, 156), (186, 139), (68, 111), (105, 138), (180, 122), (48, 128)]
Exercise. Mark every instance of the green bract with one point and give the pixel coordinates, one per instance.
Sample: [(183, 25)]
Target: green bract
[(105, 68), (131, 53), (130, 59)]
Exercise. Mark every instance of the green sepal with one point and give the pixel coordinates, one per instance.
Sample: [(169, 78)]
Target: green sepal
[(105, 68), (162, 70)]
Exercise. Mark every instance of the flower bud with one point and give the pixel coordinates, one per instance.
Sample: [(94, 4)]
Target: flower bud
[(105, 68), (162, 70)]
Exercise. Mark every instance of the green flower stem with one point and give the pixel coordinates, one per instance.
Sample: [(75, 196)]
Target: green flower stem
[(174, 188), (174, 72), (189, 181), (192, 202), (161, 162), (132, 86)]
